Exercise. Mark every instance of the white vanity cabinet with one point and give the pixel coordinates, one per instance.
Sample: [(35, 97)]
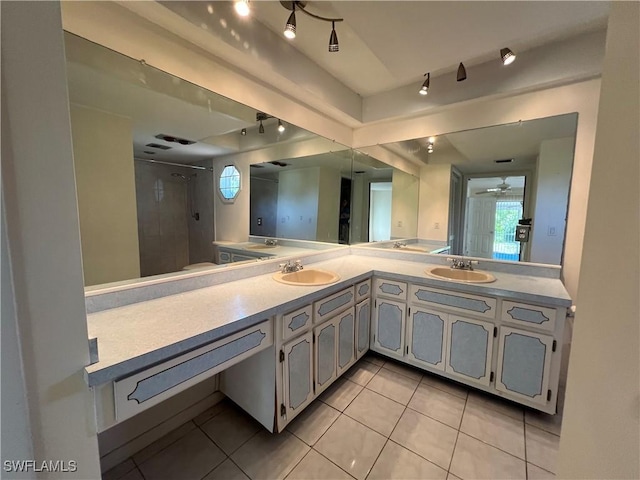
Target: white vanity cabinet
[(470, 348), (427, 337), (325, 354), (297, 375), (524, 364), (363, 327), (389, 317)]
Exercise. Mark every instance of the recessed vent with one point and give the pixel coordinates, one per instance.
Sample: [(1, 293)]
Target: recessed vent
[(255, 165), (149, 152), (506, 160), (279, 164), (157, 145), (174, 139)]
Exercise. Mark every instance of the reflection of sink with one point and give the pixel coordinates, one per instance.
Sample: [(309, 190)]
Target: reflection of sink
[(307, 277), (260, 246), (413, 249), (467, 276)]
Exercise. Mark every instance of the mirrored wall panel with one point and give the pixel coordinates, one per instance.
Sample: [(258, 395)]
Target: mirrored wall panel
[(145, 147), (499, 192)]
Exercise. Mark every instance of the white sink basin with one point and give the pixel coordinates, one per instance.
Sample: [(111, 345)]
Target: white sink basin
[(310, 277), (456, 275)]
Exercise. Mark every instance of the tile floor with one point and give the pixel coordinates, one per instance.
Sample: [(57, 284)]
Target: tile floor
[(382, 420)]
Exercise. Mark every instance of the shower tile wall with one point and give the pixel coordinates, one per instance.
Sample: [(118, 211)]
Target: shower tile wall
[(201, 230), (163, 230)]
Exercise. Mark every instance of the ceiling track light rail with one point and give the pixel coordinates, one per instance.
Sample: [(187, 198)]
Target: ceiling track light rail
[(290, 26), (261, 117)]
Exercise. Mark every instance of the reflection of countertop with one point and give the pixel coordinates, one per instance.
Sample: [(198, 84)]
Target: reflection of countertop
[(136, 336), (275, 251)]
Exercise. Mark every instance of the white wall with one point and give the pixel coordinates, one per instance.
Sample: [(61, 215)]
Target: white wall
[(298, 192), (433, 215), (231, 220), (404, 205), (103, 160), (601, 425), (553, 178), (44, 242), (329, 183), (380, 211)]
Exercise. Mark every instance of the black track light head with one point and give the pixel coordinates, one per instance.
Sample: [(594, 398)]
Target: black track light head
[(333, 39), (261, 129), (243, 132), (462, 73), (290, 27), (425, 86), (507, 56), (281, 127)]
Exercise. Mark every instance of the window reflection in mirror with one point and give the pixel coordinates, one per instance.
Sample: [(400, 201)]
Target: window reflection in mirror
[(480, 187)]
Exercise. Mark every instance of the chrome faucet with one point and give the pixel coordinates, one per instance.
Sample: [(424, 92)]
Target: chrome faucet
[(271, 242), (290, 267), (399, 245), (461, 264)]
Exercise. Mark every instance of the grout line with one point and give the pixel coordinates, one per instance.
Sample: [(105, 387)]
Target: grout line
[(455, 444), (166, 446), (327, 458), (299, 461), (223, 460), (141, 474)]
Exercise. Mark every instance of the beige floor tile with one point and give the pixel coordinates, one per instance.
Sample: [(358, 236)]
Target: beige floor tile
[(375, 411), (494, 428), (393, 386), (496, 403), (191, 457), (230, 429), (311, 424), (398, 463), (374, 358), (438, 404), (544, 421), (445, 384), (474, 459), (351, 446), (542, 448), (405, 370), (270, 456), (451, 476), (227, 470), (316, 467), (427, 437), (341, 394), (537, 473), (120, 470), (362, 372), (209, 413), (163, 442)]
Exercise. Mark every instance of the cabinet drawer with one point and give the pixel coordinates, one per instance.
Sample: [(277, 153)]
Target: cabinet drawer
[(296, 321), (390, 288), (333, 304), (455, 301), (363, 290), (533, 316), (224, 257), (149, 387)]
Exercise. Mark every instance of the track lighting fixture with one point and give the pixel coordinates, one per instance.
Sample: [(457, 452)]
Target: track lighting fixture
[(261, 129), (333, 39), (243, 132), (425, 86), (280, 126), (290, 27), (242, 7), (507, 56), (462, 73)]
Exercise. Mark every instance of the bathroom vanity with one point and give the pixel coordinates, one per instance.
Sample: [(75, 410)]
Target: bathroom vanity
[(279, 346)]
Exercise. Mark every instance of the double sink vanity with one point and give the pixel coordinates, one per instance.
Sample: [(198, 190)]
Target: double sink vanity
[(280, 338)]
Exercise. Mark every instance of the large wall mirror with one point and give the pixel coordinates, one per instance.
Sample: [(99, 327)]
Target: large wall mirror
[(499, 192), (145, 147)]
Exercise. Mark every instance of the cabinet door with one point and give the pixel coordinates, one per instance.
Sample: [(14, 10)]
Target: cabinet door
[(389, 327), (363, 327), (346, 340), (524, 362), (325, 354), (426, 333), (469, 349), (297, 375)]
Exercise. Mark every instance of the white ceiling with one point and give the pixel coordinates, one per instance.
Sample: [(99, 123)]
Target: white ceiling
[(388, 44)]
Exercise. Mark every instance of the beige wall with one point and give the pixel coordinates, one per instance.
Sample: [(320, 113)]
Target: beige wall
[(601, 426), (404, 205), (103, 159), (433, 215), (329, 184), (44, 241), (298, 203), (553, 178)]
